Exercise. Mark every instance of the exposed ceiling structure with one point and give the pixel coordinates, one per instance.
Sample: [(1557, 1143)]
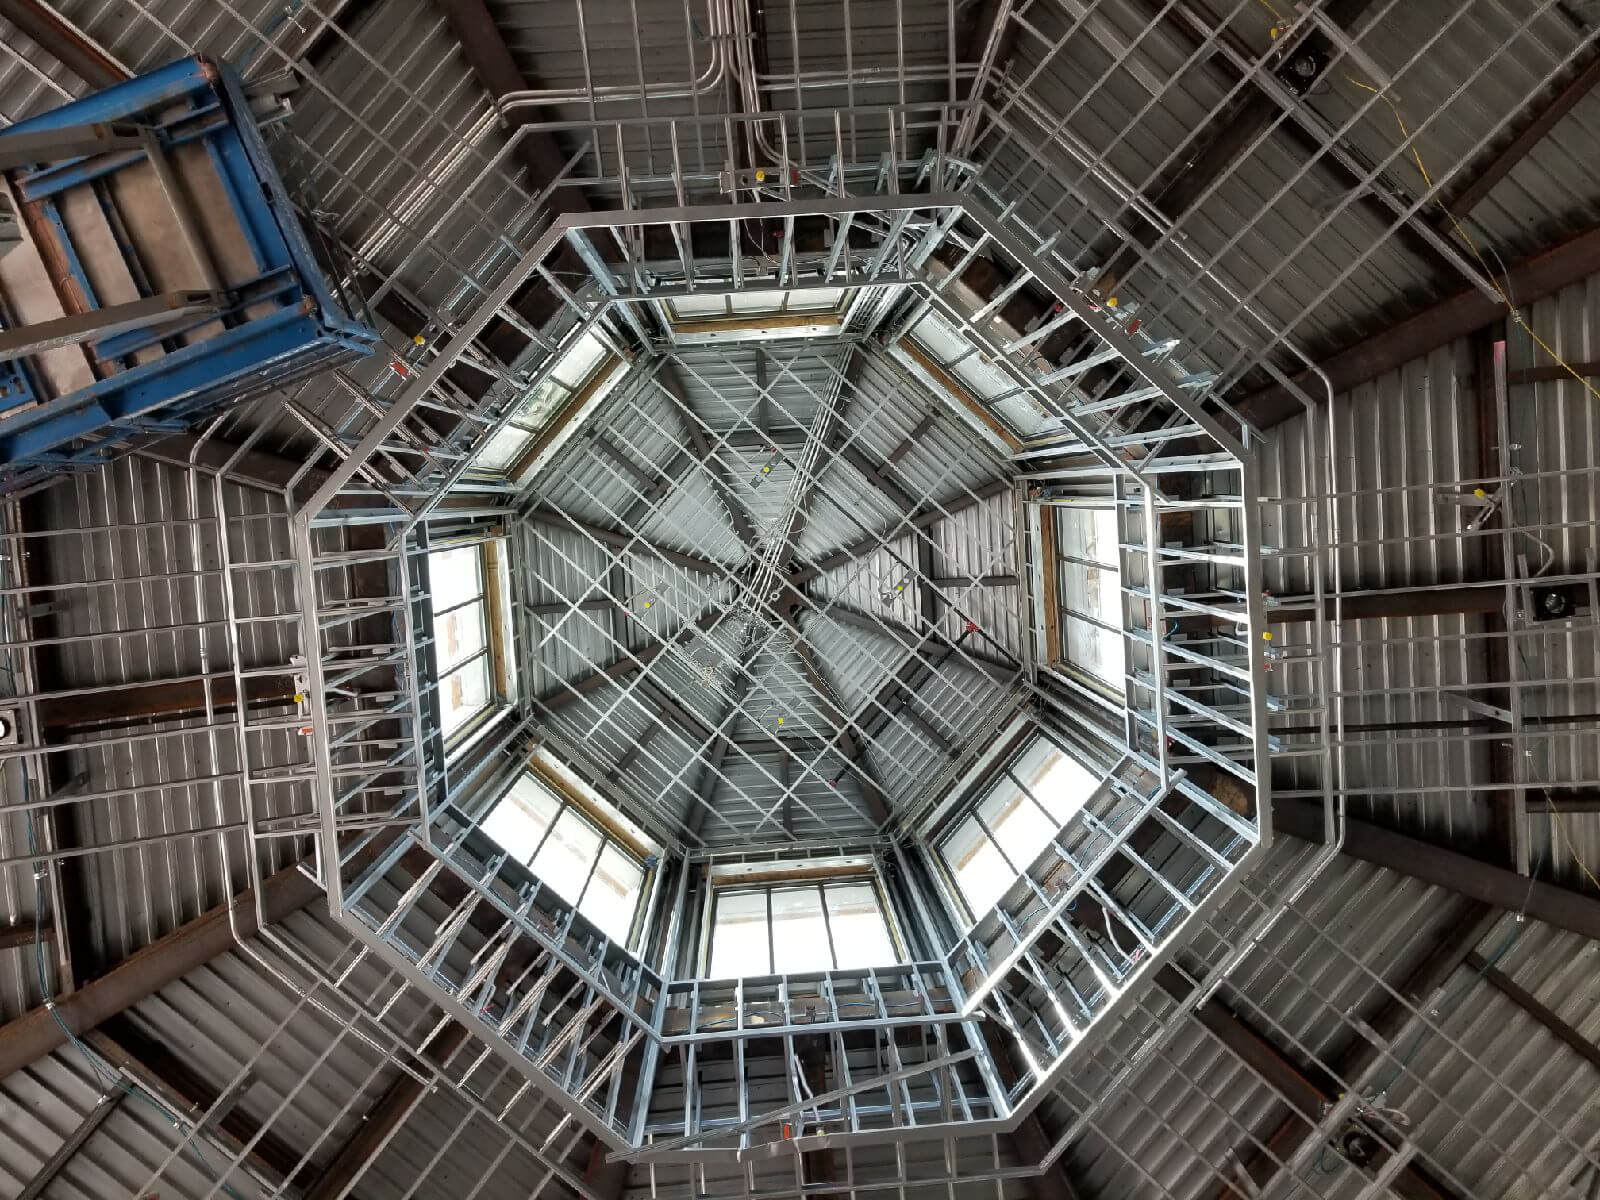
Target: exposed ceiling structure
[(825, 414)]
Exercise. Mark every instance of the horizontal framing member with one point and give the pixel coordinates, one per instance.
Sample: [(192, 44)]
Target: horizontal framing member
[(1437, 325), (40, 1030), (1450, 869)]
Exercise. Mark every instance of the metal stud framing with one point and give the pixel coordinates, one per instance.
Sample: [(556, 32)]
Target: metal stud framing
[(262, 580)]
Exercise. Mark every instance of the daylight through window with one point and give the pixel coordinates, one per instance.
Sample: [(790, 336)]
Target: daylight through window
[(1091, 591), (792, 928), (571, 855), (465, 620), (1012, 822)]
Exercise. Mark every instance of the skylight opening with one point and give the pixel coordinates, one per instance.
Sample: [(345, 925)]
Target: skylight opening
[(571, 853), (469, 592), (765, 302), (587, 372), (1013, 820), (932, 339), (796, 928), (762, 315), (1092, 619)]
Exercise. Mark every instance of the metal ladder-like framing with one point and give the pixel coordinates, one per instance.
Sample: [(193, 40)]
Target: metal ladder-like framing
[(577, 1014)]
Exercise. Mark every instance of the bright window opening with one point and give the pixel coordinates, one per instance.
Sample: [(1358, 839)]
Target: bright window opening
[(1022, 810), (570, 853), (794, 928), (1091, 592), (587, 367), (467, 585), (755, 303), (934, 340)]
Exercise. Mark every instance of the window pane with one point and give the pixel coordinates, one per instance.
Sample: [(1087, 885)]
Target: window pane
[(1092, 648), (458, 635), (1020, 826), (1094, 592), (860, 934), (1090, 533), (739, 936), (520, 819), (503, 448), (981, 873), (580, 361), (699, 306), (453, 576), (463, 693), (613, 893), (799, 936), (566, 856), (1057, 780)]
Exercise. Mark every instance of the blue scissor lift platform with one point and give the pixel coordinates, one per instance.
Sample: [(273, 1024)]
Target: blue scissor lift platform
[(159, 274)]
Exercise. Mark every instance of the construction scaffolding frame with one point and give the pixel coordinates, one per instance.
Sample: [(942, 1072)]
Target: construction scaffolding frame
[(337, 573)]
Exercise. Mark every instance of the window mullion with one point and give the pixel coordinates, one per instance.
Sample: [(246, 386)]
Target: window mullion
[(772, 952), (1028, 792), (453, 668), (827, 925), (475, 598), (549, 829), (994, 841), (589, 878)]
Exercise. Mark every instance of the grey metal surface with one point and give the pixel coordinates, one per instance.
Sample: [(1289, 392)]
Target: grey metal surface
[(1403, 449)]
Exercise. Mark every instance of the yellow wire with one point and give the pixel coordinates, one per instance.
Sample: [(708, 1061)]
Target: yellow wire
[(1405, 134), (1558, 820), (1511, 309), (1276, 15), (1556, 827)]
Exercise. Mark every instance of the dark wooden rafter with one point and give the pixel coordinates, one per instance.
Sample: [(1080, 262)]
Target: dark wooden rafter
[(631, 755), (26, 934), (1493, 665), (717, 752), (1565, 908), (543, 162), (641, 477), (1439, 324), (626, 663), (1485, 892), (1308, 1095), (1359, 604), (1479, 179), (911, 639), (251, 467), (831, 434), (44, 26), (173, 1080), (37, 1032), (854, 751), (922, 518), (496, 70), (386, 1116), (738, 513), (1218, 149), (159, 700), (1304, 1091), (1535, 1008), (979, 41), (898, 693), (52, 1166), (627, 542)]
